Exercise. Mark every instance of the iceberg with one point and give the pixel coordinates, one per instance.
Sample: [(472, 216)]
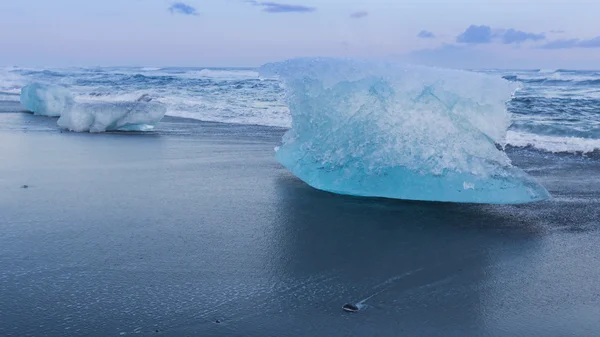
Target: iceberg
[(383, 129), (46, 100), (113, 116), (140, 115)]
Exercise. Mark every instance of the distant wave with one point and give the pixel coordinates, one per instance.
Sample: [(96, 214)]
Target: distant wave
[(554, 144), (12, 92), (9, 96), (567, 71), (221, 74), (48, 73), (589, 82), (583, 81), (512, 78), (10, 84)]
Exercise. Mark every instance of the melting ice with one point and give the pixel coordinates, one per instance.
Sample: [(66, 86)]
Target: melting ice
[(382, 129), (140, 115), (46, 100)]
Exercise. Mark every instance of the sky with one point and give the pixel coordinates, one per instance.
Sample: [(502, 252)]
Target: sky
[(219, 33)]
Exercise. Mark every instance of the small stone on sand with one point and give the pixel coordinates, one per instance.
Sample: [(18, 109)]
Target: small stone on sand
[(350, 308)]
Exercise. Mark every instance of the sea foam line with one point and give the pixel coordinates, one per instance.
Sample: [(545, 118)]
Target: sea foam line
[(553, 144)]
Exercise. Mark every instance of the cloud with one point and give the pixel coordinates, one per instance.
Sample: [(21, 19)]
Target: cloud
[(181, 8), (273, 7), (359, 14), (561, 44), (573, 43), (591, 43), (517, 36), (484, 34), (425, 34), (476, 34)]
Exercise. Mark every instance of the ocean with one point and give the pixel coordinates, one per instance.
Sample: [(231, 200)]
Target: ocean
[(553, 111)]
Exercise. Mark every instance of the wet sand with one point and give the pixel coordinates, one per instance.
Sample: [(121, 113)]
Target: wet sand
[(167, 232)]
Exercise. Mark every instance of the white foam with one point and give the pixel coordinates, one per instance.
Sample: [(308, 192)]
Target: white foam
[(208, 111), (553, 144)]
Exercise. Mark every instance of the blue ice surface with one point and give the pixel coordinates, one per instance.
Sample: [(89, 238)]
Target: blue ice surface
[(383, 129), (46, 100), (140, 115)]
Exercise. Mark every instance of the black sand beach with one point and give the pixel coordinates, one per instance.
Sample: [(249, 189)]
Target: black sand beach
[(167, 232)]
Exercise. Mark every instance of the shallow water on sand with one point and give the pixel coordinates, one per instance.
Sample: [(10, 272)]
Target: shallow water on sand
[(165, 233)]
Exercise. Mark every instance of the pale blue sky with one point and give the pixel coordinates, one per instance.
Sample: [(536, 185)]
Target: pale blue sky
[(544, 34)]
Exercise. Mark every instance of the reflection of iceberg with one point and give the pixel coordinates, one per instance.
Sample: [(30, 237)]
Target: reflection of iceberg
[(383, 129), (46, 100), (141, 115)]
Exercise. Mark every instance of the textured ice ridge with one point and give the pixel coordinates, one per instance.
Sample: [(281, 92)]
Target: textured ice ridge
[(383, 129), (139, 115)]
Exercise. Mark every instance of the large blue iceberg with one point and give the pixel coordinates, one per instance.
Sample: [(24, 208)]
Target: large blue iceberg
[(139, 115), (382, 129)]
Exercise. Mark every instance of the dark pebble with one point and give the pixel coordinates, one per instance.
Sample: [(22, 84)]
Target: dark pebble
[(350, 307)]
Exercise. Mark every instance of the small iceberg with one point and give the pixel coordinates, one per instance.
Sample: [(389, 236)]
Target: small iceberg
[(114, 116), (382, 129), (140, 115), (45, 100)]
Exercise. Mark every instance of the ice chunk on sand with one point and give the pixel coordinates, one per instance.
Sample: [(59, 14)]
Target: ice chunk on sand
[(141, 115), (46, 100), (383, 129), (122, 116)]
